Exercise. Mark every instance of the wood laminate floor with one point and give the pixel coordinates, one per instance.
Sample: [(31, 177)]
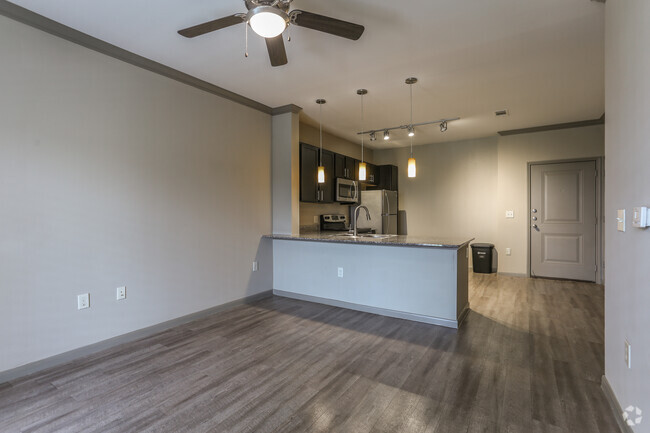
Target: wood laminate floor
[(529, 359)]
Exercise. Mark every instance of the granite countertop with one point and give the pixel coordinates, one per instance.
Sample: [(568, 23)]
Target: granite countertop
[(393, 240)]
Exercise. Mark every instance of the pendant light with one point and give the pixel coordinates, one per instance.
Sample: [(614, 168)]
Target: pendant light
[(321, 168), (362, 165), (411, 162)]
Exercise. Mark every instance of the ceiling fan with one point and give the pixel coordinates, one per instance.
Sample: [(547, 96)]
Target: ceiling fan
[(269, 18)]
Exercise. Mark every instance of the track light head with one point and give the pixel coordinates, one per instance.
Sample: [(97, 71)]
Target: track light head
[(373, 136), (411, 131), (443, 126), (386, 135)]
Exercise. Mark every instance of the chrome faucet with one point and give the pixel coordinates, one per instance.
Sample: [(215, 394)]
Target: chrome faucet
[(355, 217)]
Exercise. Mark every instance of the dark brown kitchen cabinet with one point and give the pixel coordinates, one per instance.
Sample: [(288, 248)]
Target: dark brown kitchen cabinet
[(310, 190), (387, 177), (372, 175), (328, 188), (308, 173), (345, 167)]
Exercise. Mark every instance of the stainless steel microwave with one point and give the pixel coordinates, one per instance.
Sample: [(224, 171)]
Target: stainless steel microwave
[(347, 191)]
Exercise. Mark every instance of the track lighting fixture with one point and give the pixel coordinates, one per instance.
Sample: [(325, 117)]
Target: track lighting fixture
[(443, 126), (411, 131), (386, 135), (373, 136)]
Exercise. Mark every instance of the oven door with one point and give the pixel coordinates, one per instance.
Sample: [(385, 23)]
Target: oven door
[(347, 191)]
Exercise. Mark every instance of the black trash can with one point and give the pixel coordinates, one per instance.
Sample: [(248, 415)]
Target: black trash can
[(482, 258)]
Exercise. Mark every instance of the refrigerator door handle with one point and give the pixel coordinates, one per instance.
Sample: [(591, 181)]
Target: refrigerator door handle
[(387, 203)]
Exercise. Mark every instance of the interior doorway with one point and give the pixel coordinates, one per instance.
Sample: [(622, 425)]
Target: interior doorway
[(564, 220)]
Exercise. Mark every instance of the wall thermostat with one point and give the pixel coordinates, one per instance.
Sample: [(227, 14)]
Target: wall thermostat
[(640, 217)]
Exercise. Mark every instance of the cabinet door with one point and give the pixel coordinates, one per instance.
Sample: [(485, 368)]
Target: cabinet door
[(339, 165), (373, 174), (352, 168), (388, 177), (327, 188), (308, 173)]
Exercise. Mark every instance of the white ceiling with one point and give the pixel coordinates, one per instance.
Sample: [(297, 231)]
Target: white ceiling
[(541, 59)]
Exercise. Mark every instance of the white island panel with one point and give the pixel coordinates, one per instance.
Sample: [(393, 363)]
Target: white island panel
[(413, 283)]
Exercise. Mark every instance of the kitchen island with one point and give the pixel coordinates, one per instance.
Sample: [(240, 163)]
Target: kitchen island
[(415, 278)]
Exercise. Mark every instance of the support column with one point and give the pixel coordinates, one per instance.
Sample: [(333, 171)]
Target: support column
[(285, 169)]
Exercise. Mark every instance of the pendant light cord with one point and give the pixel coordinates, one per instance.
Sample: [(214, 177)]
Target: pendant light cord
[(362, 127), (411, 124), (320, 135)]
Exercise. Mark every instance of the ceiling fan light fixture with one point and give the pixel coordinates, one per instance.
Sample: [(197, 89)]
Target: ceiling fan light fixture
[(267, 21)]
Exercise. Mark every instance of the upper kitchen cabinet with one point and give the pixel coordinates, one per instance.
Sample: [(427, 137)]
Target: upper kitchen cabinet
[(387, 178), (372, 175), (310, 190), (345, 167), (328, 188)]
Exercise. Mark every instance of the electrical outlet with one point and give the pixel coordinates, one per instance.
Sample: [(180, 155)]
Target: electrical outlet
[(83, 301), (628, 354), (508, 251), (340, 272), (255, 266), (510, 214), (121, 293)]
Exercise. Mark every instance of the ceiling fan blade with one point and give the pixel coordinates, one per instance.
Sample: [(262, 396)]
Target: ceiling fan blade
[(211, 26), (277, 53), (325, 24)]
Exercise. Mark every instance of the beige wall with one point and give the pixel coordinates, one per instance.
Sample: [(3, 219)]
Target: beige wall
[(464, 188), (454, 192), (112, 175), (309, 135), (515, 152), (627, 183)]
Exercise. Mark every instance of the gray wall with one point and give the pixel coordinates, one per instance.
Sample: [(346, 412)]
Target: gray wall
[(463, 188), (627, 179), (111, 175)]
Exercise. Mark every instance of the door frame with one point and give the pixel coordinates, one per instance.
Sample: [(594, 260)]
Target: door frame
[(600, 199)]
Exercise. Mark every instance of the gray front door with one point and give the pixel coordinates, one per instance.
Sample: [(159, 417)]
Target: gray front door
[(563, 220)]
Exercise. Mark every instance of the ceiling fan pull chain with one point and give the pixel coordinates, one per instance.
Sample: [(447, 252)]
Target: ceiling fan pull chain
[(246, 50)]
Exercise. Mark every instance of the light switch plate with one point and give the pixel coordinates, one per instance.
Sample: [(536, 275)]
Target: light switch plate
[(255, 266), (620, 220), (510, 214), (340, 272), (83, 301), (508, 251), (121, 293), (640, 217)]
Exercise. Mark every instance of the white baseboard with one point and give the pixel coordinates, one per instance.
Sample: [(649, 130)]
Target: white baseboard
[(72, 355), (375, 310), (614, 405)]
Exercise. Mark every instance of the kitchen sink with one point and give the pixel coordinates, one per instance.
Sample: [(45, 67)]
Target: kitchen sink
[(361, 236)]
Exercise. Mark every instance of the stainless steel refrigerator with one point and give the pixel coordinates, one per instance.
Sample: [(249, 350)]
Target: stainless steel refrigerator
[(382, 205)]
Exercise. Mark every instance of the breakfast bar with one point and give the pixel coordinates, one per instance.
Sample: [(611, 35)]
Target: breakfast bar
[(415, 278)]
